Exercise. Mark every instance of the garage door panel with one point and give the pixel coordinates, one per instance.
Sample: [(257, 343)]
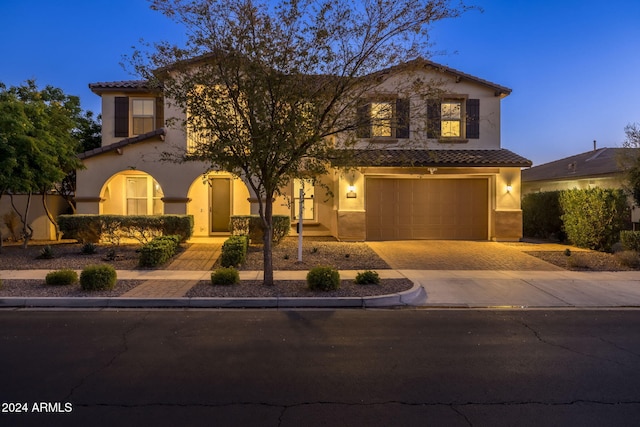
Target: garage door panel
[(426, 209)]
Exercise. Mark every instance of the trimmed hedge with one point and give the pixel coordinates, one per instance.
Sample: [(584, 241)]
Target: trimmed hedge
[(593, 218), (98, 277), (630, 240), (541, 215), (64, 277), (112, 228), (367, 277), (251, 225), (234, 251), (225, 276), (323, 279), (158, 251)]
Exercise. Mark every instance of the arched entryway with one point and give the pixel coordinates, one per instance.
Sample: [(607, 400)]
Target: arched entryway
[(131, 193)]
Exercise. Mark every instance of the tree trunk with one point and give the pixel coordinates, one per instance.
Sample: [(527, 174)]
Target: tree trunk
[(27, 231), (268, 241), (49, 215)]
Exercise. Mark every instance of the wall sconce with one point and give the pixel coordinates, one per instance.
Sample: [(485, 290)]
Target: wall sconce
[(509, 188), (351, 192)]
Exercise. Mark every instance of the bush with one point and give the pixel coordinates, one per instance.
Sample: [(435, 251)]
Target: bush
[(630, 240), (593, 218), (628, 258), (64, 277), (46, 253), (234, 251), (158, 251), (89, 249), (225, 276), (251, 225), (98, 277), (112, 228), (541, 215), (367, 277), (323, 279)]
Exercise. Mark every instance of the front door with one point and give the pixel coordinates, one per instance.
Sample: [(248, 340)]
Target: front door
[(220, 204)]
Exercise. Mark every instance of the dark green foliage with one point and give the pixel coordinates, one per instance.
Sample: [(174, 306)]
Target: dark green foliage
[(46, 253), (323, 279), (630, 240), (234, 251), (88, 249), (64, 277), (251, 225), (98, 277), (367, 277), (225, 276), (593, 218), (541, 215), (158, 251), (112, 228)]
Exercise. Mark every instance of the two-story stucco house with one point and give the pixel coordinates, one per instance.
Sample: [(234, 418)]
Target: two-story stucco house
[(429, 169)]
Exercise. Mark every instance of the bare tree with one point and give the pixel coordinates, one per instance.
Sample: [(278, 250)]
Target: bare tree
[(267, 86)]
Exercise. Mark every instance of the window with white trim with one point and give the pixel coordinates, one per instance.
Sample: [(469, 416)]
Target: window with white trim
[(144, 196), (142, 115)]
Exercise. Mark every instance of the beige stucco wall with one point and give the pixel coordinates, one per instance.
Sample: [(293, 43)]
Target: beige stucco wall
[(42, 227), (580, 183)]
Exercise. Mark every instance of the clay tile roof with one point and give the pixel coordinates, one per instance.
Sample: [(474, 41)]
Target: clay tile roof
[(123, 85), (123, 143), (442, 158)]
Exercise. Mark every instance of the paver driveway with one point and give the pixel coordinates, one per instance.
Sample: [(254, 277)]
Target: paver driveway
[(456, 255)]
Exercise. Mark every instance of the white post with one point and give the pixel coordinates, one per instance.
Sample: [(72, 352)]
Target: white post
[(300, 213)]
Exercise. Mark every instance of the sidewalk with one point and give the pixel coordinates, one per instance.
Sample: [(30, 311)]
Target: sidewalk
[(432, 288)]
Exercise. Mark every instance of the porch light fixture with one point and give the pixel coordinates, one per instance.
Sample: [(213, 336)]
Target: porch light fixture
[(509, 188), (351, 192)]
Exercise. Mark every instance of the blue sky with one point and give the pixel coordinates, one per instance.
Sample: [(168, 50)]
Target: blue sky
[(573, 65)]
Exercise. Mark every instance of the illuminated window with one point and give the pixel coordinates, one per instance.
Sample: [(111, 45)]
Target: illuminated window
[(142, 115), (451, 119), (381, 117), (384, 119), (138, 189), (309, 209)]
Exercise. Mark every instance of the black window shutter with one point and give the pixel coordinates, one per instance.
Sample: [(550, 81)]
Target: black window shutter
[(402, 114), (159, 113), (364, 121), (121, 116), (473, 118), (433, 118)]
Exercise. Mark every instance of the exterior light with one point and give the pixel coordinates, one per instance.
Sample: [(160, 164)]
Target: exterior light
[(351, 192), (509, 188)]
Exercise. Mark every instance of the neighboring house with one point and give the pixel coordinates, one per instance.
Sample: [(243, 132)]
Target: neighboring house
[(429, 168)]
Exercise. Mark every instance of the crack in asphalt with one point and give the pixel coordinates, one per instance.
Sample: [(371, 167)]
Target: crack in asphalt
[(542, 340), (124, 347), (626, 350)]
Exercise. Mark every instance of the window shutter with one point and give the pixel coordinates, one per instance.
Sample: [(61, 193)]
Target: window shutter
[(121, 116), (159, 112), (473, 118), (364, 121), (402, 114), (433, 118)]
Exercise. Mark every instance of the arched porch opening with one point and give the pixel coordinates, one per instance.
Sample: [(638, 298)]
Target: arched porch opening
[(131, 193)]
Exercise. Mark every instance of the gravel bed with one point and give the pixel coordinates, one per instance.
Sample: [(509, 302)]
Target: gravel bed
[(315, 252), (296, 288), (37, 288), (581, 261)]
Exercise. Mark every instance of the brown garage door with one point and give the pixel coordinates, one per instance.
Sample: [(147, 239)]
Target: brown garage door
[(427, 208)]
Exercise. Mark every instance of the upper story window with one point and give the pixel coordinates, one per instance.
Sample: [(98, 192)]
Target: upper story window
[(384, 119), (137, 116), (142, 117), (453, 119)]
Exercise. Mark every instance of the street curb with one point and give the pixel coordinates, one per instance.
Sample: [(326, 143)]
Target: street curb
[(405, 298)]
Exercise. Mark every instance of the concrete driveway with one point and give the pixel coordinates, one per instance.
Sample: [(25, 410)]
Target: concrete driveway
[(457, 255)]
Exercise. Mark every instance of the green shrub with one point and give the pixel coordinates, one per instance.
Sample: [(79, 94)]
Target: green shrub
[(46, 253), (593, 218), (323, 279), (158, 251), (541, 215), (251, 225), (225, 276), (628, 258), (630, 240), (367, 277), (89, 248), (98, 277), (234, 251), (64, 277)]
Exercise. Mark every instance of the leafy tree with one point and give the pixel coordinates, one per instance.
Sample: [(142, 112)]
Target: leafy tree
[(268, 85), (631, 160), (36, 132)]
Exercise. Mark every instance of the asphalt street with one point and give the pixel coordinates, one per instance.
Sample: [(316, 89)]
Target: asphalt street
[(319, 367)]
